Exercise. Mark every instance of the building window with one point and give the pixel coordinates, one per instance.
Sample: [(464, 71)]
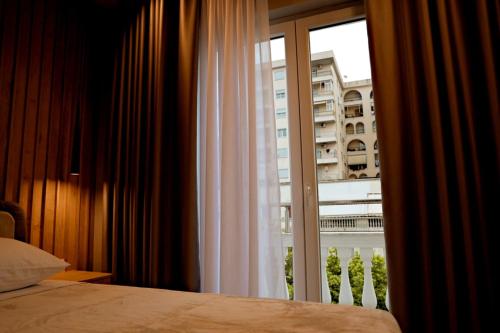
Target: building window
[(282, 132), (280, 112), (283, 173), (279, 75), (349, 129), (280, 94), (282, 152), (360, 128), (375, 145), (356, 145), (352, 95), (329, 105), (374, 126)]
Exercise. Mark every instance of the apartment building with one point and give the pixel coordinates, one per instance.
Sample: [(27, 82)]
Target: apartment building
[(344, 122)]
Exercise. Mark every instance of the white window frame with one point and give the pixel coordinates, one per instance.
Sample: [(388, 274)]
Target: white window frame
[(306, 247)]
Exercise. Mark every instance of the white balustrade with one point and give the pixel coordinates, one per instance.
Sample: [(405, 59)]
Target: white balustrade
[(345, 296), (346, 243), (369, 298), (387, 301), (325, 289)]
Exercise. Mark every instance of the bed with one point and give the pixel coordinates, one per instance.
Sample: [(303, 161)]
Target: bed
[(63, 306)]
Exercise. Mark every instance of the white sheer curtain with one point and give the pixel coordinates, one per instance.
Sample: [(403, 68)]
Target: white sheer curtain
[(240, 240)]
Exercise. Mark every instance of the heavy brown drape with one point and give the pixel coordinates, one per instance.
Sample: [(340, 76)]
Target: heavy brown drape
[(151, 202), (435, 70)]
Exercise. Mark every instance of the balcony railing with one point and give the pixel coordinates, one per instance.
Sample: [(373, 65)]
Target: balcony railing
[(354, 114), (353, 223), (368, 244), (322, 92), (321, 73)]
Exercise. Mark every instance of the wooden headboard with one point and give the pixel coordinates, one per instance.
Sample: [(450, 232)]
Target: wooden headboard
[(12, 221), (7, 225)]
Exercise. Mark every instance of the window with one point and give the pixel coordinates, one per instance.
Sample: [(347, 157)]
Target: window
[(320, 81), (282, 133), (279, 75), (281, 113), (352, 95), (374, 126), (356, 145), (282, 152), (349, 129), (280, 94), (283, 173), (360, 128)]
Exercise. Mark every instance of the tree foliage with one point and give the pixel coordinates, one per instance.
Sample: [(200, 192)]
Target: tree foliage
[(356, 276)]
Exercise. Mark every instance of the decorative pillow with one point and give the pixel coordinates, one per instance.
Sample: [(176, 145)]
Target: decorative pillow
[(23, 265)]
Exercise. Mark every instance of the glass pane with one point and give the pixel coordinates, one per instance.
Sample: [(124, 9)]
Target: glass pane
[(283, 155), (348, 167)]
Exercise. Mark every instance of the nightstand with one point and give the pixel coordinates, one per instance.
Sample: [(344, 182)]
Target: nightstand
[(83, 276)]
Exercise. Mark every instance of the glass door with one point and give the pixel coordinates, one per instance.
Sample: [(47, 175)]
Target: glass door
[(337, 108), (332, 220), (285, 92)]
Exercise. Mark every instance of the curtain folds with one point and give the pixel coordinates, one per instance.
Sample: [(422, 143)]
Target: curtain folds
[(241, 252), (435, 70), (152, 192)]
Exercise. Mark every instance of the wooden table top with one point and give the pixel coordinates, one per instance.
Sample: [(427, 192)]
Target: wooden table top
[(80, 276)]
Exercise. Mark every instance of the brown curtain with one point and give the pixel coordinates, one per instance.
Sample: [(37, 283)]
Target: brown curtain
[(152, 205), (435, 70)]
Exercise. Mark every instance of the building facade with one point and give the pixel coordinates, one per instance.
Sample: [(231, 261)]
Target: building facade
[(344, 123)]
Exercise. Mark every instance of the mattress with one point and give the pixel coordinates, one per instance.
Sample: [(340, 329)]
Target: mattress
[(61, 306)]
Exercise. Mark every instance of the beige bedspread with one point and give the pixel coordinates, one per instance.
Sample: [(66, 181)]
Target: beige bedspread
[(56, 306)]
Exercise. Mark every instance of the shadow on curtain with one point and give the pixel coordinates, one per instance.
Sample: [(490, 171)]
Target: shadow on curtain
[(151, 200), (435, 71)]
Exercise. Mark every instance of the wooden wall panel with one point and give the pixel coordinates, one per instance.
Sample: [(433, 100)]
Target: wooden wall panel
[(43, 87)]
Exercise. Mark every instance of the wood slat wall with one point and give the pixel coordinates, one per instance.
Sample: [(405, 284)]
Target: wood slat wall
[(43, 75)]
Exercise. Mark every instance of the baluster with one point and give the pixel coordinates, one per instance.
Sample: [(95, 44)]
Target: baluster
[(285, 253), (387, 301), (369, 298), (345, 295), (325, 289)]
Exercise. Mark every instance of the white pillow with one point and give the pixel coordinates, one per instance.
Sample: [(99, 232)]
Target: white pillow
[(23, 265)]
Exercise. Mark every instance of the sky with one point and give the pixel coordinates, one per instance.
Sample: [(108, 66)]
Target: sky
[(349, 43)]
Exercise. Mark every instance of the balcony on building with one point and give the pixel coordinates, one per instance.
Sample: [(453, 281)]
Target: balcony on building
[(324, 136), (323, 157), (323, 112), (321, 75), (353, 111)]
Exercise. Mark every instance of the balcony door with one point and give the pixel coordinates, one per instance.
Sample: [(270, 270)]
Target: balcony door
[(332, 221)]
